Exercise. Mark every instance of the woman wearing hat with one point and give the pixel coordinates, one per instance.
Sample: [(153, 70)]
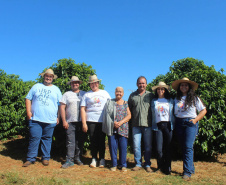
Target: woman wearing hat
[(92, 105), (163, 125), (187, 103), (42, 103)]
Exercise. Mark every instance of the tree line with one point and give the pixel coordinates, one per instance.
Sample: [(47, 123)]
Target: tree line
[(212, 90)]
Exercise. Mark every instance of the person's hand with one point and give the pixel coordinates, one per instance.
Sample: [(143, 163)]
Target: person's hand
[(117, 124), (65, 125), (84, 128), (193, 121), (29, 115)]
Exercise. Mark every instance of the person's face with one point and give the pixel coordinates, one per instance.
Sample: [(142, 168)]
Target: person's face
[(161, 92), (184, 88), (48, 78), (75, 85), (141, 84), (119, 92), (94, 86)]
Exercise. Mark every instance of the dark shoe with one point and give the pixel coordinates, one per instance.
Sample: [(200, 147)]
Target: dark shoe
[(148, 169), (27, 163), (186, 178), (78, 162), (45, 162), (67, 164), (136, 168)]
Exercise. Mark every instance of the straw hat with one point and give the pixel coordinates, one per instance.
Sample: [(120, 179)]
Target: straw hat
[(161, 84), (74, 79), (93, 78), (176, 83), (49, 71)]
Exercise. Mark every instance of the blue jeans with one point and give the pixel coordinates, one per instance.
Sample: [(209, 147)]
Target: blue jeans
[(117, 141), (75, 141), (39, 132), (138, 132), (186, 132), (163, 146)]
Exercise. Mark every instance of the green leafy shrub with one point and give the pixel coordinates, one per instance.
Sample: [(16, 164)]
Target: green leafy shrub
[(212, 91), (12, 105)]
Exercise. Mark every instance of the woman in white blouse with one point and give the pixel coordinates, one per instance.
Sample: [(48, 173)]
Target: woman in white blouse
[(187, 103), (162, 125)]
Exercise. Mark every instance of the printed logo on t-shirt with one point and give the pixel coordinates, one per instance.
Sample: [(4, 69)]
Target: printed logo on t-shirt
[(161, 111), (97, 100), (180, 106), (44, 96)]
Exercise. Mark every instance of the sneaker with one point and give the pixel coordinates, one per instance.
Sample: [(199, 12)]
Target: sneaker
[(113, 168), (93, 164), (78, 162), (67, 164), (148, 169), (136, 168), (124, 169), (102, 163)]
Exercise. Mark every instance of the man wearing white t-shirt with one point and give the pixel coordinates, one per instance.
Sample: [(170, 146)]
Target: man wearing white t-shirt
[(70, 109)]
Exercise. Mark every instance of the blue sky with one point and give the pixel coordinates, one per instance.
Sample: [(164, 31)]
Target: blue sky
[(120, 39)]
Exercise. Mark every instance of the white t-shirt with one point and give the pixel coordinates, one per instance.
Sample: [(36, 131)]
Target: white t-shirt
[(162, 110), (94, 103), (191, 112), (72, 102)]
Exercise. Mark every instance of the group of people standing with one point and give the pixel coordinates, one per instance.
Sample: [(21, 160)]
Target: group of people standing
[(99, 115)]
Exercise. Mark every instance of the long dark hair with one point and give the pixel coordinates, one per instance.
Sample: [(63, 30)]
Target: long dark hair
[(166, 94), (191, 97)]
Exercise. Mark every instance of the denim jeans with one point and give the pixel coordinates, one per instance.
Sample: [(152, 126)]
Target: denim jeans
[(163, 145), (97, 139), (117, 141), (43, 132), (186, 132), (138, 132), (75, 141)]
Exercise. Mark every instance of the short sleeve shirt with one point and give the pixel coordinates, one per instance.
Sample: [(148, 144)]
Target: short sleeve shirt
[(162, 110), (190, 112), (72, 102), (45, 102), (94, 103)]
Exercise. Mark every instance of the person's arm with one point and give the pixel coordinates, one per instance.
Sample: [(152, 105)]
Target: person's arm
[(83, 117), (28, 108), (63, 115), (201, 114), (124, 120)]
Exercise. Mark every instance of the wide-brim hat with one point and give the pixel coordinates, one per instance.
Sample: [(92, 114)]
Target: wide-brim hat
[(176, 83), (161, 84), (93, 78), (74, 79), (49, 71)]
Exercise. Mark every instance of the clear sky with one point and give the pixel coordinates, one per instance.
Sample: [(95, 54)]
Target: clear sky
[(120, 39)]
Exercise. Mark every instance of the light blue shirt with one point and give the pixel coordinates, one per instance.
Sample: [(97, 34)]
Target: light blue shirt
[(45, 102)]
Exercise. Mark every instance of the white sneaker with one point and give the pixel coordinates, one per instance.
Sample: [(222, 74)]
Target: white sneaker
[(93, 164), (102, 163)]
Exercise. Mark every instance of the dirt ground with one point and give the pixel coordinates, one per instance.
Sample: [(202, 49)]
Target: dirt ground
[(13, 154)]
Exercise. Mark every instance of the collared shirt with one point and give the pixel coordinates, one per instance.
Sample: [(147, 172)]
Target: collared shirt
[(140, 108)]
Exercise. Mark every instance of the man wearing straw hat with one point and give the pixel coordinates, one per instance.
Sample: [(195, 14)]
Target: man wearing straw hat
[(42, 103), (69, 111), (139, 105)]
